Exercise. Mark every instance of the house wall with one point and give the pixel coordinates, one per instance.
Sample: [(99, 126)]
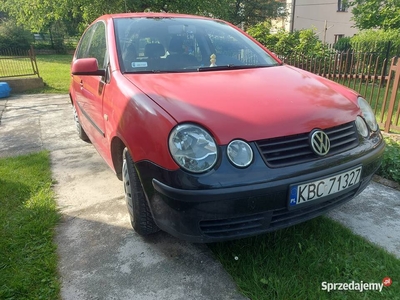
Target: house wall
[(320, 14)]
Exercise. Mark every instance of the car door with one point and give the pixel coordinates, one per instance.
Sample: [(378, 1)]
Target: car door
[(89, 90)]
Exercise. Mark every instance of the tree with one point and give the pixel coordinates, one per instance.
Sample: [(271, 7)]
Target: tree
[(71, 17), (251, 12), (384, 14), (14, 36)]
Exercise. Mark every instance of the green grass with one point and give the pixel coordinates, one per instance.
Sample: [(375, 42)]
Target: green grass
[(390, 168), (28, 214), (292, 263), (374, 94), (56, 74)]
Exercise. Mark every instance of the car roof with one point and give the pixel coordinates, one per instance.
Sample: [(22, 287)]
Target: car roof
[(151, 15)]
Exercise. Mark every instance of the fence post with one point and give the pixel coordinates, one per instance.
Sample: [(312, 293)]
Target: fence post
[(389, 45), (32, 57), (396, 69)]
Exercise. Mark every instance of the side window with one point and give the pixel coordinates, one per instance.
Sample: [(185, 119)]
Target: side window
[(83, 46), (93, 44), (98, 45)]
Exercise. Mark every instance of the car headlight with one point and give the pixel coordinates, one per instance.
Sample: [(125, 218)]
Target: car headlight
[(361, 126), (192, 148), (240, 153), (368, 114)]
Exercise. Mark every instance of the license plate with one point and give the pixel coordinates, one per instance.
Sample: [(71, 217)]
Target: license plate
[(303, 193)]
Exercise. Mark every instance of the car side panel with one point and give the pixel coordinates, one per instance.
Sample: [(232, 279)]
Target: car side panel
[(140, 123), (92, 89)]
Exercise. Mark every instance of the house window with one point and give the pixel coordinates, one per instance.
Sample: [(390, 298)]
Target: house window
[(343, 5), (338, 37)]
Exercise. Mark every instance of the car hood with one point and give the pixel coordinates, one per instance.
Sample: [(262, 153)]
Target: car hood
[(251, 104)]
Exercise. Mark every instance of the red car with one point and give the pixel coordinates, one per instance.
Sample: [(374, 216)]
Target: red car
[(213, 136)]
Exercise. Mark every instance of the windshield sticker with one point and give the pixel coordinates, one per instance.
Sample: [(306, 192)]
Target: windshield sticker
[(139, 64)]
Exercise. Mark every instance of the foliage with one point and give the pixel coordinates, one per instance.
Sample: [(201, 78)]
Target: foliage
[(260, 31), (369, 14), (376, 41), (285, 43), (343, 44), (72, 17), (14, 36), (251, 12), (309, 43), (390, 168)]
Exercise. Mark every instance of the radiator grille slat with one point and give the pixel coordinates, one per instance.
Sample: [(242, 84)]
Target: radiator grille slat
[(233, 226), (295, 149)]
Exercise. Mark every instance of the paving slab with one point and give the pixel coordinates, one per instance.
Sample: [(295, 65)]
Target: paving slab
[(374, 215)]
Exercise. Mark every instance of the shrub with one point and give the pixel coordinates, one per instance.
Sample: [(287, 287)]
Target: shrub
[(285, 43), (390, 168), (343, 44), (14, 36), (260, 32), (377, 41)]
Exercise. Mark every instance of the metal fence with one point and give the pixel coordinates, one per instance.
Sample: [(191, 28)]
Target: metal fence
[(369, 73), (17, 63)]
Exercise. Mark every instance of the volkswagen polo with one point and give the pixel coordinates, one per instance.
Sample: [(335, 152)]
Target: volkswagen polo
[(213, 137)]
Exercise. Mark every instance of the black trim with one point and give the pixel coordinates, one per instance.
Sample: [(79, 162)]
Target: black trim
[(229, 203), (90, 120)]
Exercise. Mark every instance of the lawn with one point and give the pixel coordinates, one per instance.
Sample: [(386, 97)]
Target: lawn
[(28, 214), (56, 73), (390, 168), (292, 263)]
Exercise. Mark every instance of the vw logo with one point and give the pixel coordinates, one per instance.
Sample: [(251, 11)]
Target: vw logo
[(320, 142)]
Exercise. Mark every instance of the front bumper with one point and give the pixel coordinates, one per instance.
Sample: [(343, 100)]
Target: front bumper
[(230, 203)]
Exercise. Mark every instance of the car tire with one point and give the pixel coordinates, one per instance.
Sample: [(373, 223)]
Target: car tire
[(141, 218), (81, 133)]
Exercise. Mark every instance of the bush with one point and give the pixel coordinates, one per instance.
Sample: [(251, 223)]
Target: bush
[(377, 41), (14, 36), (285, 43), (343, 44), (260, 32), (390, 168)]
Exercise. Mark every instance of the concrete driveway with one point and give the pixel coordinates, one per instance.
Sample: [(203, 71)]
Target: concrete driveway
[(101, 257)]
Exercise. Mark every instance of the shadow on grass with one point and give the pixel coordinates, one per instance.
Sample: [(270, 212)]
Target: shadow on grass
[(28, 262)]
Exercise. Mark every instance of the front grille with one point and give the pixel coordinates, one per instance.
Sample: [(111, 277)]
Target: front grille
[(295, 149), (235, 227)]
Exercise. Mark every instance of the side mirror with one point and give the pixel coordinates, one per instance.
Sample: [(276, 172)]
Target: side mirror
[(86, 66)]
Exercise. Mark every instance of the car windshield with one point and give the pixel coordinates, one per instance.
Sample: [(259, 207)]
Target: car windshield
[(153, 45)]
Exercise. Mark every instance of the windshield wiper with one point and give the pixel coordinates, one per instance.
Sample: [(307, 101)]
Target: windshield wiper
[(231, 67)]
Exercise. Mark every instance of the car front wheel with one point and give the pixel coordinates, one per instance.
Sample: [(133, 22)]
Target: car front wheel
[(141, 219)]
